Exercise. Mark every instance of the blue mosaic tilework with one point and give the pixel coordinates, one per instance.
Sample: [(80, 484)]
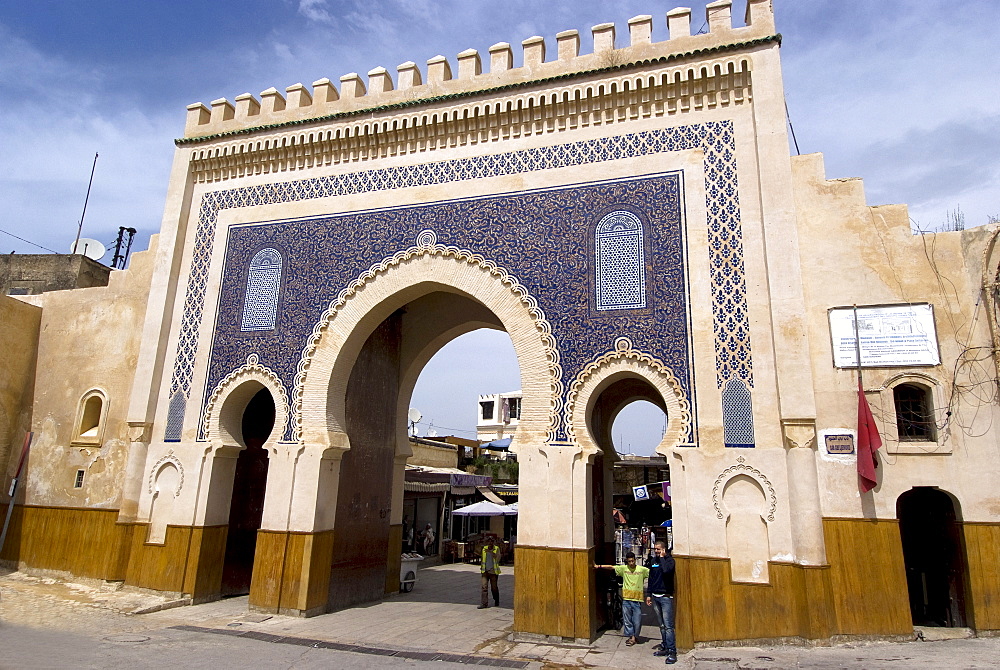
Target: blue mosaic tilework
[(260, 301), (737, 414), (731, 326), (539, 237), (620, 262)]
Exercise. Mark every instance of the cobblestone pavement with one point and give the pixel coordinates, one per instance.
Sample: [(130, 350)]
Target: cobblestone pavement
[(94, 625)]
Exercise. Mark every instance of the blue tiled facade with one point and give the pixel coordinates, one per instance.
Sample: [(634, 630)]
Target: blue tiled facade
[(540, 237)]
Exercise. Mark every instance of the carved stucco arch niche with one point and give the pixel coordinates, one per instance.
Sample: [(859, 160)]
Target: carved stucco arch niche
[(422, 274), (223, 427), (625, 363), (224, 410)]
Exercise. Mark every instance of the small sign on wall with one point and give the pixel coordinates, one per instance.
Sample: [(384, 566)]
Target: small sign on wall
[(640, 492), (840, 444)]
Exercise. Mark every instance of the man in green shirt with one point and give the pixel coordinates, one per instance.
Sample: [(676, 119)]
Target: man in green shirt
[(633, 576)]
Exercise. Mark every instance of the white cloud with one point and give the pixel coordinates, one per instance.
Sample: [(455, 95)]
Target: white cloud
[(50, 133), (315, 10)]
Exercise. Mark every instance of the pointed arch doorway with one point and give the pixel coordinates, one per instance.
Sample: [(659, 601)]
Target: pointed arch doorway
[(246, 507)]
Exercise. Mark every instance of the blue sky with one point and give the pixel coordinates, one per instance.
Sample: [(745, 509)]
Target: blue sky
[(904, 94)]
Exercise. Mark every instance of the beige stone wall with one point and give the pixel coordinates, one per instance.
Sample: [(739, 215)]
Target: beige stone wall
[(432, 456), (19, 324), (856, 254), (87, 347)]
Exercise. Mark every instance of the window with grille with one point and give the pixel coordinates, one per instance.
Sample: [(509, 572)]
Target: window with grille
[(260, 304), (620, 262), (914, 413)]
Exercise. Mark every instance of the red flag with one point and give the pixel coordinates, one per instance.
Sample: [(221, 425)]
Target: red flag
[(869, 442)]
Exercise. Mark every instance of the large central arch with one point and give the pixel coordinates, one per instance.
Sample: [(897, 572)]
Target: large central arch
[(413, 303), (318, 400)]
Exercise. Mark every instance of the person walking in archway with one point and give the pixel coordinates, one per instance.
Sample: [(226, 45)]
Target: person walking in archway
[(489, 567), (660, 596), (428, 540), (633, 576)]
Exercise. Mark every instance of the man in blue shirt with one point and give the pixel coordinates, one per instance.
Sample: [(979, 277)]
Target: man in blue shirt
[(660, 596)]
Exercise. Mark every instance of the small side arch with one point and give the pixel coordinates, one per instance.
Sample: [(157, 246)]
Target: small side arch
[(623, 362), (224, 412)]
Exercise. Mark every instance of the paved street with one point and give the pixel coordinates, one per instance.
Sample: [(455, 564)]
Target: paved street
[(45, 623)]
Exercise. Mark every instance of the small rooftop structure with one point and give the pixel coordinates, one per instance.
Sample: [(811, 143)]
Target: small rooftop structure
[(32, 274)]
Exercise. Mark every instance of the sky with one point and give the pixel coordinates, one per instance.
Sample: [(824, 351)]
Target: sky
[(903, 94)]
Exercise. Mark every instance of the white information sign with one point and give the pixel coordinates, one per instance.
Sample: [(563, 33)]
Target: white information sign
[(640, 492), (891, 336)]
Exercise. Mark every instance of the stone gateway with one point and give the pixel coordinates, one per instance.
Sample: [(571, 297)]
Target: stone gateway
[(631, 217)]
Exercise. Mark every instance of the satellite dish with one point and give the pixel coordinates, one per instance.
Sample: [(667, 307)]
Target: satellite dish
[(432, 433), (92, 249), (414, 415)]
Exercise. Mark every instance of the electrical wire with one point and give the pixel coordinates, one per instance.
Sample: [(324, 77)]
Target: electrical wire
[(28, 241)]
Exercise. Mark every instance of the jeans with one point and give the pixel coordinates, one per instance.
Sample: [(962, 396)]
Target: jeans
[(663, 608), (631, 617)]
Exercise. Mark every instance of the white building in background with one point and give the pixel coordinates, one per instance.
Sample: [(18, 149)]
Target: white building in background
[(498, 415)]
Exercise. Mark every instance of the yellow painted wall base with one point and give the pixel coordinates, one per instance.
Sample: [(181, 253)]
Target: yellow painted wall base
[(868, 577), (291, 572), (710, 606), (982, 549), (555, 592), (188, 562), (84, 542), (861, 592)]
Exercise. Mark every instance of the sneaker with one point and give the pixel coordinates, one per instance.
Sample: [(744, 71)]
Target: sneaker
[(660, 652), (671, 658), (482, 607), (658, 647)]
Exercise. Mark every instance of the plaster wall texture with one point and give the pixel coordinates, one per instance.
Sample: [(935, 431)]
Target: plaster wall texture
[(39, 273), (19, 324), (879, 261), (431, 456), (88, 341)]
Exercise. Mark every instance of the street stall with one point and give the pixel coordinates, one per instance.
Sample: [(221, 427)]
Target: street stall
[(470, 549), (429, 493)]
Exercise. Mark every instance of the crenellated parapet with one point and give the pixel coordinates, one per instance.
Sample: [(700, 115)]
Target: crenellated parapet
[(474, 73), (484, 99)]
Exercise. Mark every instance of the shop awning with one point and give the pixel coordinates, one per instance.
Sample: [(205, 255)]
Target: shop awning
[(497, 444), (486, 508), (452, 476), (489, 495)]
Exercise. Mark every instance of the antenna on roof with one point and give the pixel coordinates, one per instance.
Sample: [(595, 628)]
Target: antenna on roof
[(85, 201)]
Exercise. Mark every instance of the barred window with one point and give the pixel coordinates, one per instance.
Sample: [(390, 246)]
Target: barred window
[(620, 262), (914, 413), (260, 304)]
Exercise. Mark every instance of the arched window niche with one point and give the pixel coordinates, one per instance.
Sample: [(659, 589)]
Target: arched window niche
[(90, 416), (260, 302), (914, 415), (619, 262)]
